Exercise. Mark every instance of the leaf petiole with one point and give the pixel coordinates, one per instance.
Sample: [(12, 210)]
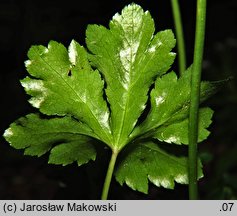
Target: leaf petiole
[(109, 175)]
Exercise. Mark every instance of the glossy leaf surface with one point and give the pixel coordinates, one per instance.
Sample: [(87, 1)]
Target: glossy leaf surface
[(170, 101), (148, 162), (38, 136), (178, 132), (130, 57), (117, 91), (62, 85)]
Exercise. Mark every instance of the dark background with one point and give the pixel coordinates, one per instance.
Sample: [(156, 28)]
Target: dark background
[(27, 22)]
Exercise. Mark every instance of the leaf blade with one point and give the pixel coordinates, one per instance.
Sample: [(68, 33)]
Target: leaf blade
[(154, 164), (37, 136), (177, 133), (63, 86), (170, 101), (81, 152), (130, 58)]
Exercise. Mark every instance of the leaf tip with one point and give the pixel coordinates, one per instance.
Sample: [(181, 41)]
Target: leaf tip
[(27, 63), (72, 52), (143, 188), (182, 178), (8, 133), (132, 8)]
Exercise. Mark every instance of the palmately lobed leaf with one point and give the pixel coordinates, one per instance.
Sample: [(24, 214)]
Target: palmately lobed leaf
[(98, 94)]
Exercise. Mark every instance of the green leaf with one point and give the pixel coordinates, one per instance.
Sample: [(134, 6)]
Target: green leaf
[(37, 136), (130, 57), (102, 94), (66, 84), (170, 101), (148, 162), (178, 132)]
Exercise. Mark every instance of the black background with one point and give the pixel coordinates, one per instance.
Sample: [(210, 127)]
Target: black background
[(27, 22)]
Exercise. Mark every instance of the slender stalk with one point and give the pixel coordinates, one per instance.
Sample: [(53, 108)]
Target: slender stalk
[(195, 97), (179, 36), (109, 175)]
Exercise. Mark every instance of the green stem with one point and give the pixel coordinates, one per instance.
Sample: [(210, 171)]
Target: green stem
[(109, 175), (179, 36), (195, 97)]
